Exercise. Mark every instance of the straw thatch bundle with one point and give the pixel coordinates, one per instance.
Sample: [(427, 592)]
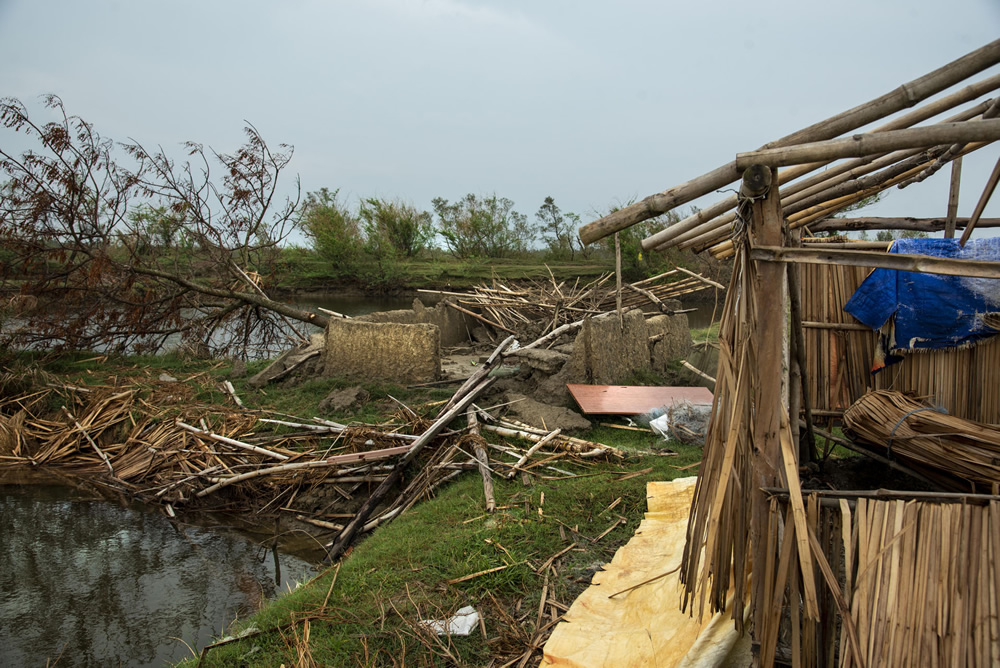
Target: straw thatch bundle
[(932, 441)]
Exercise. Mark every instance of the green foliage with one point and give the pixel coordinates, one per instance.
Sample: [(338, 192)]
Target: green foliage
[(483, 227), (159, 228), (334, 231), (399, 226), (558, 230), (892, 235)]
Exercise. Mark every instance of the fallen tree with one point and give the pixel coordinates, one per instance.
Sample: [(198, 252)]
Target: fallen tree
[(116, 247)]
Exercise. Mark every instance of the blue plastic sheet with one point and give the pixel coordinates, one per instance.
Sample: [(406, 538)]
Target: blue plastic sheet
[(930, 311)]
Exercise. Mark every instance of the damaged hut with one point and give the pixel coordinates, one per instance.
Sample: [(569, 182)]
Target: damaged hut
[(849, 577)]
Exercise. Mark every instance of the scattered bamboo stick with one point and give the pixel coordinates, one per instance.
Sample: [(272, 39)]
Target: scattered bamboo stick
[(230, 441), (532, 450), (482, 459)]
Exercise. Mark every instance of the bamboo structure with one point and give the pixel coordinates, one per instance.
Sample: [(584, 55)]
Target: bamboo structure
[(878, 152), (905, 96), (846, 581)]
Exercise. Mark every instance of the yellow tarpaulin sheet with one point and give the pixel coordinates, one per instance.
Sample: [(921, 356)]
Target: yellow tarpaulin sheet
[(643, 627)]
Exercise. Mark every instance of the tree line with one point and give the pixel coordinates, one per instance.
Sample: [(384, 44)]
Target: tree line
[(116, 246)]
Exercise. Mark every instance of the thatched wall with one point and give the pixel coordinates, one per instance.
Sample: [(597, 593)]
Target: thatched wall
[(964, 381), (408, 353)]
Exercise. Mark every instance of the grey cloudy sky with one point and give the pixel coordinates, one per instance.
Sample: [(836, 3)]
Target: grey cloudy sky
[(593, 103)]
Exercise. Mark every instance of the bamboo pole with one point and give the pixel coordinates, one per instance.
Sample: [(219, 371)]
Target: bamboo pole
[(984, 199), (349, 532), (704, 220), (876, 223), (466, 311), (883, 142), (899, 261), (532, 450), (699, 277), (832, 176), (956, 184), (905, 96), (698, 372), (553, 335), (204, 433), (256, 473), (807, 453), (618, 281)]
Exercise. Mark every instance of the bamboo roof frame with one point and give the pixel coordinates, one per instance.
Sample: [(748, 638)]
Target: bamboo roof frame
[(818, 145)]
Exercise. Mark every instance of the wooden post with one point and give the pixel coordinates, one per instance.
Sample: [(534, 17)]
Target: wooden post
[(984, 199), (765, 229), (618, 278), (956, 182)]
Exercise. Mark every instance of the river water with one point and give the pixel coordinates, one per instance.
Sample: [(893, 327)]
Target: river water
[(92, 583)]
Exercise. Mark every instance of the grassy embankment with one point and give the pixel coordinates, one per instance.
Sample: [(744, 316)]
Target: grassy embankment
[(365, 611), (304, 269)]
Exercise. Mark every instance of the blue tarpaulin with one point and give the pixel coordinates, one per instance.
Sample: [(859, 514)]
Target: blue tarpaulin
[(930, 311)]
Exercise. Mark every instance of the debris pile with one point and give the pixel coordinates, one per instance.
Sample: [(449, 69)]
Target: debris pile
[(538, 308), (154, 443)]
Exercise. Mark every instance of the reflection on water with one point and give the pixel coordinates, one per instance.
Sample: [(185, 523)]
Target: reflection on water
[(102, 585)]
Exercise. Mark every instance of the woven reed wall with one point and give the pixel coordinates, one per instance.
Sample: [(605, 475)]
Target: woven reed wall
[(966, 382)]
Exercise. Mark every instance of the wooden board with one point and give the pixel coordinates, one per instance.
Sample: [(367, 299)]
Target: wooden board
[(632, 399)]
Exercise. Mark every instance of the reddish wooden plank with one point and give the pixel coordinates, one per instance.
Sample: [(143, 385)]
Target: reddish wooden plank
[(632, 399)]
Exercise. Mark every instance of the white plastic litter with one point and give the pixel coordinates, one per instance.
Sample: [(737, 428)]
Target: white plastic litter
[(683, 421), (461, 623)]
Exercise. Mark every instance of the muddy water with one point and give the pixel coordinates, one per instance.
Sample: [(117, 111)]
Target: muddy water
[(95, 584)]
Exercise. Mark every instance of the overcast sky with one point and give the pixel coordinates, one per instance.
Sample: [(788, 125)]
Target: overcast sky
[(593, 103)]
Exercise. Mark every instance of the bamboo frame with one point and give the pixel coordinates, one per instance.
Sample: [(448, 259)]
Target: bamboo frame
[(901, 98)]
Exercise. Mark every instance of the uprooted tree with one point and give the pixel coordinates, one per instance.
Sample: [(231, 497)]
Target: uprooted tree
[(115, 247)]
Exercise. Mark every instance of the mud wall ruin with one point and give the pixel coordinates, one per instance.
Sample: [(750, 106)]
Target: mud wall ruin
[(400, 352), (455, 327)]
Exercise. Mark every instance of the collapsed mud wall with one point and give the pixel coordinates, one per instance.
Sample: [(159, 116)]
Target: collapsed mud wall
[(607, 351), (455, 327), (400, 352)]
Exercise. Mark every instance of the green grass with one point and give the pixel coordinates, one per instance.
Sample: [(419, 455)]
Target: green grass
[(401, 573)]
